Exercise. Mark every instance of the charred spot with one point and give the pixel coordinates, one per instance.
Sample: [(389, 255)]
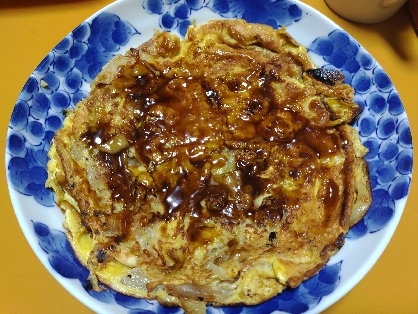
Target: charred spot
[(101, 85), (329, 77), (272, 207), (88, 285), (340, 241), (101, 256), (272, 236)]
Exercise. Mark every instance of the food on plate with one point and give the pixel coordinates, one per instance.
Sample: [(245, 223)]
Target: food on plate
[(218, 169)]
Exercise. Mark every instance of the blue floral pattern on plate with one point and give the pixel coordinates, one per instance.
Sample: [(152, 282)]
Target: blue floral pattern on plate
[(55, 86), (383, 126), (63, 261), (176, 14), (62, 78)]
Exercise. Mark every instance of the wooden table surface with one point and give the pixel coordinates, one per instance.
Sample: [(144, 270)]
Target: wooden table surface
[(29, 29)]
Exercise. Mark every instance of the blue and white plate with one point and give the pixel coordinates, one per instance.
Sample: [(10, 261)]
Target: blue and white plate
[(63, 77)]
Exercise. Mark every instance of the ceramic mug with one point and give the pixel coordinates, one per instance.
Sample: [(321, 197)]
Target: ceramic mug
[(365, 11)]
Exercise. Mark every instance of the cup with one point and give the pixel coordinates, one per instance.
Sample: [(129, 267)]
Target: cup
[(365, 11)]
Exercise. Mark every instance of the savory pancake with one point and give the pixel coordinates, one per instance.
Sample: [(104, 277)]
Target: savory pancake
[(219, 169)]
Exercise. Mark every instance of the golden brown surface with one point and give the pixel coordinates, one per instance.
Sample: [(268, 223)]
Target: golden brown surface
[(393, 43), (218, 169)]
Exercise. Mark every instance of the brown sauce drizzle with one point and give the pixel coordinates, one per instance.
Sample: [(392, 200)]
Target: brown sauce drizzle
[(331, 196), (120, 179), (180, 117)]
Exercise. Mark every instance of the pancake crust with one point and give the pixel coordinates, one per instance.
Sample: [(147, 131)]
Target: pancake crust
[(220, 169)]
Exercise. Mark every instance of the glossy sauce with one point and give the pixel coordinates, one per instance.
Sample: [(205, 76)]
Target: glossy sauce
[(120, 179), (331, 197), (184, 120)]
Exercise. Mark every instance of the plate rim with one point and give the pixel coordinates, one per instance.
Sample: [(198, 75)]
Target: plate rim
[(326, 302)]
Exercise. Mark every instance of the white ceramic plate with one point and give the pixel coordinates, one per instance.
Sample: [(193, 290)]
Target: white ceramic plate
[(63, 78)]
